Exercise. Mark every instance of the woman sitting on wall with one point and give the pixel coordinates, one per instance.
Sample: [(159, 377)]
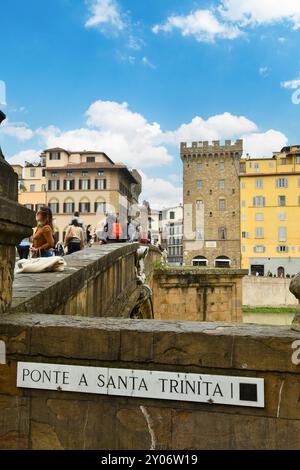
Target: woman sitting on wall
[(43, 236)]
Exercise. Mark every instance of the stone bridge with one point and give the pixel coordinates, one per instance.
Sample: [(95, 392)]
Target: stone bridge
[(102, 281), (64, 320)]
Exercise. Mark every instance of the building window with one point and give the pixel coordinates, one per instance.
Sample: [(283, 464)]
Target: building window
[(282, 216), (32, 188), (54, 206), (199, 185), (100, 184), (69, 185), (222, 185), (282, 234), (29, 206), (222, 204), (54, 155), (84, 207), (259, 183), (271, 165), (100, 207), (242, 167), (100, 173), (90, 159), (256, 167), (43, 188), (282, 201), (222, 233), (53, 173), (43, 173), (259, 201), (172, 215), (298, 160), (38, 206), (199, 166), (32, 172), (222, 262), (243, 217), (259, 232), (259, 217), (243, 203), (222, 166), (245, 235), (282, 183), (199, 204), (243, 249), (85, 173), (283, 249), (298, 200), (283, 161), (69, 207), (243, 185), (199, 261), (259, 249), (53, 185), (69, 172), (84, 185)]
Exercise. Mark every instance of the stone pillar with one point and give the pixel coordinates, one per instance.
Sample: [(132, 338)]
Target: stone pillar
[(295, 290), (16, 223)]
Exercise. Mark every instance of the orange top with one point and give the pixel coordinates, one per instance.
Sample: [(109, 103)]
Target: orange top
[(43, 238)]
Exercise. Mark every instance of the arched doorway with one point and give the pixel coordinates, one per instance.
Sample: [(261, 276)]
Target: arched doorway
[(222, 262), (200, 261), (281, 272)]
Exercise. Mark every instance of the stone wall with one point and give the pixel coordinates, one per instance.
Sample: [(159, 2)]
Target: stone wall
[(16, 223), (42, 419), (267, 292), (98, 281), (198, 294)]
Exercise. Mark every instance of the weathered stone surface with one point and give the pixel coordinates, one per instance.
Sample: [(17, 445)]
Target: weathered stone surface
[(14, 422), (16, 222), (295, 290), (236, 432), (196, 294), (61, 420), (97, 282)]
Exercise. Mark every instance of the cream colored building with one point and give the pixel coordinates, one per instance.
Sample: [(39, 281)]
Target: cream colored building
[(86, 182)]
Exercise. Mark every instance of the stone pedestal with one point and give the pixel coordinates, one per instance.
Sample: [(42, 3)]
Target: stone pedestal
[(16, 223), (295, 290)]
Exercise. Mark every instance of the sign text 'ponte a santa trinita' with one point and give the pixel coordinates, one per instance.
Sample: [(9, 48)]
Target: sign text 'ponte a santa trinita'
[(213, 389)]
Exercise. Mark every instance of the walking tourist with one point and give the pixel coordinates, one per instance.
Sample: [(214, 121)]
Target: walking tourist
[(24, 248), (74, 238)]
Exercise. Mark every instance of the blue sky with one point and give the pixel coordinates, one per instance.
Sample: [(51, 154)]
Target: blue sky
[(134, 78)]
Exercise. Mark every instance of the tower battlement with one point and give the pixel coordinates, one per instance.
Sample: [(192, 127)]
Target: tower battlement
[(214, 146)]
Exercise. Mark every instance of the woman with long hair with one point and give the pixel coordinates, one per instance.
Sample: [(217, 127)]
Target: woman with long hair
[(74, 239), (43, 236)]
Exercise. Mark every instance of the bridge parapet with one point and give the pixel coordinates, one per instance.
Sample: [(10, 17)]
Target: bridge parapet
[(98, 282)]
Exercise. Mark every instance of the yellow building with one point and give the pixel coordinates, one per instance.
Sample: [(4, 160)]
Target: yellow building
[(270, 213), (86, 182)]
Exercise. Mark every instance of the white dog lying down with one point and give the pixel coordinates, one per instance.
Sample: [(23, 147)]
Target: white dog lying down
[(41, 265)]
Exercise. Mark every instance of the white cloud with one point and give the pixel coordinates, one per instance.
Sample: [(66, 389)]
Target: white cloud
[(291, 84), (264, 71), (147, 63), (32, 156), (256, 12), (221, 126), (203, 25), (160, 192), (260, 145), (18, 131), (282, 40), (105, 13)]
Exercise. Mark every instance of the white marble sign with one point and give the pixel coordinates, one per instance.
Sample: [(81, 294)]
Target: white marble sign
[(214, 389)]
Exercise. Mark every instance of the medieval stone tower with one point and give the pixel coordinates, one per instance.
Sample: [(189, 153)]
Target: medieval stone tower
[(211, 196)]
